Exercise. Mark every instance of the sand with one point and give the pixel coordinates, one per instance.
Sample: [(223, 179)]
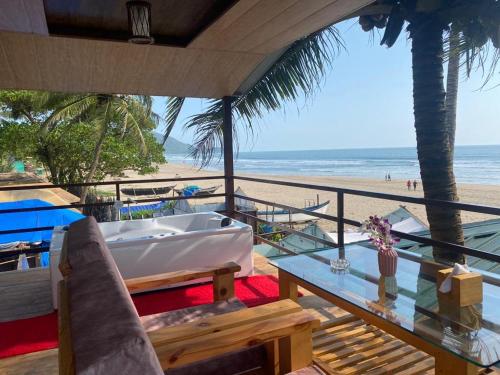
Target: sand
[(357, 208), (55, 196)]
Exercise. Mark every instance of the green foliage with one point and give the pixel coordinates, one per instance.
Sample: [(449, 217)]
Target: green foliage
[(477, 23), (142, 214), (62, 131), (17, 140), (70, 148), (276, 236)]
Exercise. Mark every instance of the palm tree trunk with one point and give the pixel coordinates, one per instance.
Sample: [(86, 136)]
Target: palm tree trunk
[(452, 86), (95, 162), (97, 151), (433, 141)]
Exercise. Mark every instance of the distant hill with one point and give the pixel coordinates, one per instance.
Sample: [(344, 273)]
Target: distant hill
[(173, 146)]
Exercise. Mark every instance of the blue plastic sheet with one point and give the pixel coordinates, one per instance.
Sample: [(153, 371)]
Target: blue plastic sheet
[(33, 219)]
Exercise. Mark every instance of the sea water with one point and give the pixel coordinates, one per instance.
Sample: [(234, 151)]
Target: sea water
[(472, 164)]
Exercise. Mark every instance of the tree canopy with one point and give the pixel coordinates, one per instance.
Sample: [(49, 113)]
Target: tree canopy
[(61, 131)]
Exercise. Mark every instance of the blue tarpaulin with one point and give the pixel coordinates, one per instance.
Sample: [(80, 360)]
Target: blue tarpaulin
[(33, 219)]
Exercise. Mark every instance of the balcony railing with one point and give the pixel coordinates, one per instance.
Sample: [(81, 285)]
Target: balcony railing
[(339, 218), (117, 184)]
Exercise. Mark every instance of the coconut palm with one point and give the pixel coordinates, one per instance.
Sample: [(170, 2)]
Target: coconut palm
[(475, 23), (127, 113), (299, 71), (452, 76)]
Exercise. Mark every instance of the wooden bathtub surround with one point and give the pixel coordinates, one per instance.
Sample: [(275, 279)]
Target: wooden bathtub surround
[(466, 289), (283, 326), (223, 279), (235, 334), (227, 321)]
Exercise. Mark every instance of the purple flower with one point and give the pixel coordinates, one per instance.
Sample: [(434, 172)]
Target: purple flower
[(380, 232)]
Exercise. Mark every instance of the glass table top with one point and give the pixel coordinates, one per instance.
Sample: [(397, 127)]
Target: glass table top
[(409, 300)]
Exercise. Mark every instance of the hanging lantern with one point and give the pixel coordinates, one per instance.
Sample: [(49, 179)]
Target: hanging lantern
[(139, 22)]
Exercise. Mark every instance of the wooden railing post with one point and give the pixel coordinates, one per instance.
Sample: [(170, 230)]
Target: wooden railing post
[(228, 155)]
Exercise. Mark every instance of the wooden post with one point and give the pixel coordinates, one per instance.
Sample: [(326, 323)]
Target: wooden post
[(295, 351), (288, 289), (223, 286), (447, 363), (228, 155), (272, 364), (117, 191)]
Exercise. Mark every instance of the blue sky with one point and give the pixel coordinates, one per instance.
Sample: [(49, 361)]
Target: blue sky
[(366, 101)]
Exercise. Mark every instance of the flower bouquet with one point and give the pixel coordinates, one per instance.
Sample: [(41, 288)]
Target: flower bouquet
[(380, 236)]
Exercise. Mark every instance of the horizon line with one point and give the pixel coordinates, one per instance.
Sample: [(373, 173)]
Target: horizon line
[(360, 148)]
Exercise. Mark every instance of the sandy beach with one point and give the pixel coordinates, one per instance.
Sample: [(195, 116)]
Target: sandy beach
[(356, 207)]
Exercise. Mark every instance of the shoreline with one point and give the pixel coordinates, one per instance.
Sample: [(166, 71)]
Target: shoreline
[(355, 207)]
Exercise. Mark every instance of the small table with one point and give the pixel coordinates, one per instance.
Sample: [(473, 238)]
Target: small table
[(461, 339)]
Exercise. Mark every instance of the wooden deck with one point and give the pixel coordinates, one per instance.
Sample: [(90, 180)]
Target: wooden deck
[(25, 294), (344, 344)]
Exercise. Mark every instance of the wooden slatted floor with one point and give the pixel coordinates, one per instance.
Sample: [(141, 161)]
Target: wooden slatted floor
[(350, 346)]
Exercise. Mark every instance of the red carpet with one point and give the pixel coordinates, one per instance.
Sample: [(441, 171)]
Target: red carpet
[(40, 333)]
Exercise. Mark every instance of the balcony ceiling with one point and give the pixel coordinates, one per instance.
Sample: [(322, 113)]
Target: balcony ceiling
[(202, 48)]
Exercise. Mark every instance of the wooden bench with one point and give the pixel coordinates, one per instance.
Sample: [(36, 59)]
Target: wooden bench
[(94, 300)]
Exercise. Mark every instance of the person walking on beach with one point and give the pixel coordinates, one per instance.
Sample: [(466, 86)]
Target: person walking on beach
[(408, 184), (415, 183), (388, 177)]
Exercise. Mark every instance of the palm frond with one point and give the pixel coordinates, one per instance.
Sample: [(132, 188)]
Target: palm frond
[(394, 26), (71, 107), (134, 116), (299, 71), (477, 53), (172, 110)]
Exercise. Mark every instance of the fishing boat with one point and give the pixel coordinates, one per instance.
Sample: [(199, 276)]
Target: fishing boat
[(147, 191), (190, 191), (284, 216)]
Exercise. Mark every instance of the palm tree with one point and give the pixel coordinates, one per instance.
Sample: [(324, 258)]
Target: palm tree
[(128, 113), (452, 77), (44, 110), (300, 70), (475, 22)]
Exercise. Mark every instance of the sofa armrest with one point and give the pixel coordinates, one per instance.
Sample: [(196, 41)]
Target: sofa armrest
[(223, 279), (282, 322)]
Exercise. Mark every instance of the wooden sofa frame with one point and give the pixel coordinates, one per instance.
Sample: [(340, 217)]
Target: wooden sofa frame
[(284, 329)]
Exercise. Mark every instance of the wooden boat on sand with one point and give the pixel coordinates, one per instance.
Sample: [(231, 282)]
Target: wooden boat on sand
[(147, 190)]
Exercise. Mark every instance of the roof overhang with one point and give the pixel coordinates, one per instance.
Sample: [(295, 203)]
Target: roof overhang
[(225, 57)]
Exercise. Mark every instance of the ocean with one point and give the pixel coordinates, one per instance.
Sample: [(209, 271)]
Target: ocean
[(472, 164)]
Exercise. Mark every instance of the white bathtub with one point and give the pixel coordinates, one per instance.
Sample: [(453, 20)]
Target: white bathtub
[(170, 243)]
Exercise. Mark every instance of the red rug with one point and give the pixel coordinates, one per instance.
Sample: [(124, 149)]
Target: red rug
[(40, 333)]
